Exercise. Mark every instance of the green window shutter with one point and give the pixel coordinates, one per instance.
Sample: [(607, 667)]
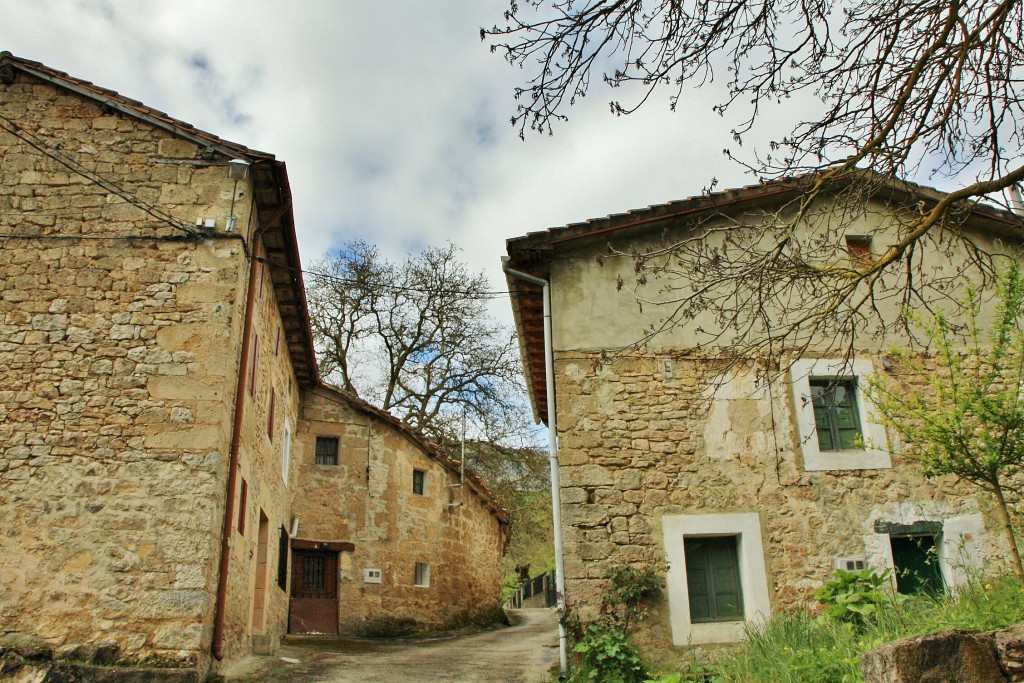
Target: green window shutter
[(835, 414), (713, 579)]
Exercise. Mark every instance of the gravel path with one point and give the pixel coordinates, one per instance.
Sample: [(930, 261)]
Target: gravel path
[(523, 653)]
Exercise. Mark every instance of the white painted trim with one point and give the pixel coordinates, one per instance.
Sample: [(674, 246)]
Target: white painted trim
[(875, 455), (958, 551), (959, 560), (753, 577), (286, 451)]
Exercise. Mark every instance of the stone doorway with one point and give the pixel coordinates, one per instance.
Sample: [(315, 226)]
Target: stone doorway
[(259, 597), (313, 606)]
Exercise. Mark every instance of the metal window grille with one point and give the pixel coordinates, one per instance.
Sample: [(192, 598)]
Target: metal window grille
[(326, 450)]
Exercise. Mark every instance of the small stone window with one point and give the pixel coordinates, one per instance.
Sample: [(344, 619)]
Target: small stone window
[(419, 482), (326, 450), (858, 248), (270, 414), (243, 506), (421, 576)]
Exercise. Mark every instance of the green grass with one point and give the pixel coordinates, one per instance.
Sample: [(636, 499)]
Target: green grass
[(795, 648)]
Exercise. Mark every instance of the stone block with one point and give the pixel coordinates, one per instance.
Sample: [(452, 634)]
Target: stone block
[(626, 480), (177, 148), (25, 645), (587, 475), (952, 656), (1010, 648)]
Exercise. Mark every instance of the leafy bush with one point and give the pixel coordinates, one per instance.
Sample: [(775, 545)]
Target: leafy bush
[(855, 597), (607, 656), (605, 651), (629, 589), (795, 647)]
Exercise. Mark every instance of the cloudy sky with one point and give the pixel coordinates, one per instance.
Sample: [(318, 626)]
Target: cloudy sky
[(393, 117)]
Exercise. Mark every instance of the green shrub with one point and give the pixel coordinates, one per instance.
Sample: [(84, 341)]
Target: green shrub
[(855, 597), (605, 653), (607, 656), (794, 647)]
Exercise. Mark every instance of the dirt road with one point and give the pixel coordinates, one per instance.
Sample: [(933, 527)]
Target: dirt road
[(523, 653)]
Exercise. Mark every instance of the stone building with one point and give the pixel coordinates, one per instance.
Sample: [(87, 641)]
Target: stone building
[(164, 496), (732, 492)]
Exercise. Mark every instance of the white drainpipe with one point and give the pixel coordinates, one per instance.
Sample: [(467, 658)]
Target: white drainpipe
[(1016, 200), (556, 491)]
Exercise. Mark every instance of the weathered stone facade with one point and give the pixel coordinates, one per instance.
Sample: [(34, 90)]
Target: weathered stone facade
[(664, 449), (112, 347), (367, 499), (154, 357), (638, 449)]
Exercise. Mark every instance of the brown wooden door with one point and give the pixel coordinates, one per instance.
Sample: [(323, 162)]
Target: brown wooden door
[(314, 601)]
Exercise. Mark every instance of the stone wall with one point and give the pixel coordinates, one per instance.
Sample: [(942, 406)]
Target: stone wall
[(257, 605), (367, 500), (950, 656), (118, 355), (637, 448)]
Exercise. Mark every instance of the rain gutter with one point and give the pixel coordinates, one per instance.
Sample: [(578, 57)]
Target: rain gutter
[(556, 495)]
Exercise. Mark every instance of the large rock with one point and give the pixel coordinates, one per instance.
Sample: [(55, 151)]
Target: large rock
[(25, 645), (1010, 647), (954, 656)]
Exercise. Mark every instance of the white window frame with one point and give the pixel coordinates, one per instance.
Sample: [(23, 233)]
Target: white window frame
[(746, 526), (286, 451), (421, 575), (957, 547), (874, 455)]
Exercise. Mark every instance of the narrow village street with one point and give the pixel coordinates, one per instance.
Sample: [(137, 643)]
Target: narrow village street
[(523, 653)]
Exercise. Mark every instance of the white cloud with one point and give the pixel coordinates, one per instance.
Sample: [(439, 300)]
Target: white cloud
[(392, 117)]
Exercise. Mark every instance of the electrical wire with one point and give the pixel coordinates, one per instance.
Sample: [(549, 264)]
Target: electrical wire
[(107, 238), (14, 129), (481, 295)]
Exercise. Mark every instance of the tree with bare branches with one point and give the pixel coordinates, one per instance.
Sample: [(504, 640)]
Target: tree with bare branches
[(884, 91), (415, 339)]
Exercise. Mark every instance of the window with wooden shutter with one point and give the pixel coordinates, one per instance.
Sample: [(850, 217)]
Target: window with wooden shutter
[(254, 367), (713, 578), (282, 560), (835, 414)]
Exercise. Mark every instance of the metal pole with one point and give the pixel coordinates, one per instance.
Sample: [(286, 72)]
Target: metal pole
[(556, 490)]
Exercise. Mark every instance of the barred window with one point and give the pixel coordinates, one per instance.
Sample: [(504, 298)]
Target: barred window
[(326, 450)]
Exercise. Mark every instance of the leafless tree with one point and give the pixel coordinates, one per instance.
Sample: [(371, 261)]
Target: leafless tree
[(922, 89), (415, 338)]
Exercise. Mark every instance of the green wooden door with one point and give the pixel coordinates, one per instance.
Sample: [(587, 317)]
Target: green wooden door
[(916, 562)]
